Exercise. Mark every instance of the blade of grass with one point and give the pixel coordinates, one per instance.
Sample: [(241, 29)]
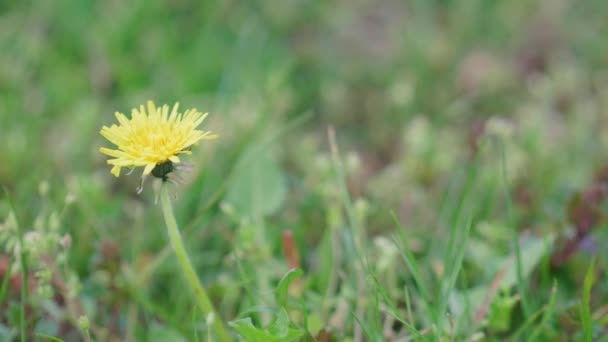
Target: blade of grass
[(195, 330), (304, 310), (411, 263), (550, 309), (517, 335), (459, 231), (347, 202), (521, 286), (355, 234), (24, 270), (49, 337), (5, 280), (393, 309), (408, 306), (409, 259), (457, 216), (545, 269), (464, 321), (377, 320), (457, 264), (363, 327), (585, 307)]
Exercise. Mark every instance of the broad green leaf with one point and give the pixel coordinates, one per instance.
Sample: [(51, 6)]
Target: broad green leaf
[(280, 325), (258, 185), (282, 289), (249, 332), (532, 252), (279, 330)]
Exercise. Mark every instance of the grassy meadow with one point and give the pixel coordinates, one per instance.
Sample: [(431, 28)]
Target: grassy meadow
[(425, 170)]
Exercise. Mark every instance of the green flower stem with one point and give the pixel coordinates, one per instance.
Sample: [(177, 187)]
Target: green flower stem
[(200, 294)]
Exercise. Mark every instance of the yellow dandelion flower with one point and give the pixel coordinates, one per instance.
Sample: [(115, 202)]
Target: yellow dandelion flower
[(153, 139)]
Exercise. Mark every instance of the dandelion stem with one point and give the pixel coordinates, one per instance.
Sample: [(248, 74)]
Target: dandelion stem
[(200, 294)]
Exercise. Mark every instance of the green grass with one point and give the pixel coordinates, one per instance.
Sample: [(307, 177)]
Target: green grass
[(430, 158)]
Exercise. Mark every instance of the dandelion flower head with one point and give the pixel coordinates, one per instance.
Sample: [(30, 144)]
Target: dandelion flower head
[(153, 137)]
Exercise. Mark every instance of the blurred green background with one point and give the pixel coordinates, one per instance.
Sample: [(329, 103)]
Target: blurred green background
[(445, 112)]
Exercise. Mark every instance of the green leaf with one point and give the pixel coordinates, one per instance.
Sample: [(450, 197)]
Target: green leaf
[(315, 324), (282, 289), (46, 326), (278, 331), (280, 325), (532, 252), (258, 186), (249, 332), (501, 310), (49, 337)]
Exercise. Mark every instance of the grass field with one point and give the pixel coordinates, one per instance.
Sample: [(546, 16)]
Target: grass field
[(428, 170)]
